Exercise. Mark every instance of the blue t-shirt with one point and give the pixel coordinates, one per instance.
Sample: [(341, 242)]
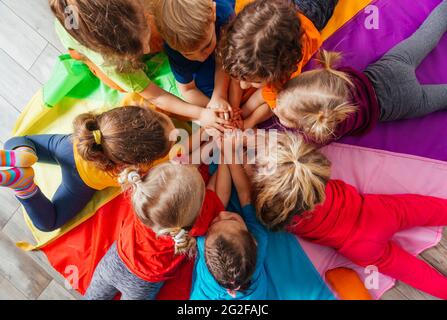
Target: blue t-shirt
[(184, 69), (205, 287)]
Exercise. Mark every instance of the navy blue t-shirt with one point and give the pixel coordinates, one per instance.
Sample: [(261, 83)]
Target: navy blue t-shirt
[(184, 69)]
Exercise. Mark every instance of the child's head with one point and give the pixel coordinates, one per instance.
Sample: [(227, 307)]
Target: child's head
[(123, 137), (296, 185), (316, 101), (188, 26), (262, 44), (117, 29), (168, 200), (230, 252)]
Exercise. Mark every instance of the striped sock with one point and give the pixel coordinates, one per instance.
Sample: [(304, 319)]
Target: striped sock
[(22, 157), (21, 180)]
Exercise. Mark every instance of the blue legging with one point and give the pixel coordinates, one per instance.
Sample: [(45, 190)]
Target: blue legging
[(71, 196)]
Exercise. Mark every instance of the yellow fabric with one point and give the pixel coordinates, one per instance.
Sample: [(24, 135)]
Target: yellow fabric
[(345, 11)]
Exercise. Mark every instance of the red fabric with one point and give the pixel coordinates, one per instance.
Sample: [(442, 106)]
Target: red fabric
[(153, 258), (82, 248), (361, 227)]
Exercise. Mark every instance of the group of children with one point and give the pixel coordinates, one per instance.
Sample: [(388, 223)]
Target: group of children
[(233, 72)]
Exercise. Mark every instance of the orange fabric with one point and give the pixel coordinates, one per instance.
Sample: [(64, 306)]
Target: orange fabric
[(95, 70), (153, 258), (311, 42), (347, 284), (240, 4)]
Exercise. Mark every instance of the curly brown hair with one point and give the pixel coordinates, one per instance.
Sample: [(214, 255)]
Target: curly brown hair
[(263, 43), (232, 262), (130, 136), (112, 28)]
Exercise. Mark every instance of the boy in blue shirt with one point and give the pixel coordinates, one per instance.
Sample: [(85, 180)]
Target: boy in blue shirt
[(230, 262), (191, 29)]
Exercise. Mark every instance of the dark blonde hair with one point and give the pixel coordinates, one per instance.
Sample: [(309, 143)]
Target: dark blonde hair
[(296, 185), (317, 101), (263, 42), (169, 200), (112, 28), (184, 24), (130, 136), (232, 261)]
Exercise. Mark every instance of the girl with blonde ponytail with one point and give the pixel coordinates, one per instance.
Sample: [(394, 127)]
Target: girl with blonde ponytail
[(299, 196), (172, 206), (331, 101)]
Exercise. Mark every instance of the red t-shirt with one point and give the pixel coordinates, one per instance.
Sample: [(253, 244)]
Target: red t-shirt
[(332, 222), (152, 258)]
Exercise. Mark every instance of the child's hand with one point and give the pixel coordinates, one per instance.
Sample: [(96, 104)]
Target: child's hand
[(209, 118), (218, 102)]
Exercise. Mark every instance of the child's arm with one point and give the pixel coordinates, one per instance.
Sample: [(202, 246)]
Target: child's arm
[(235, 93), (261, 114), (220, 183), (219, 98), (192, 94), (170, 103)]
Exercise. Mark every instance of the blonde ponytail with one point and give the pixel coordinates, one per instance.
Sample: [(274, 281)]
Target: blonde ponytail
[(317, 101), (296, 186), (183, 242), (168, 200)]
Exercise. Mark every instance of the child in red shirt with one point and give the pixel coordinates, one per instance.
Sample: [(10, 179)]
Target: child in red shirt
[(335, 214), (172, 206)]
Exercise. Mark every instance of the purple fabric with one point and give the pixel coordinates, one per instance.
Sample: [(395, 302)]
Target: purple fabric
[(399, 19)]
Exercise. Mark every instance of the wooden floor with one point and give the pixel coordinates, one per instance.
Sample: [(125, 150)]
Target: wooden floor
[(28, 50)]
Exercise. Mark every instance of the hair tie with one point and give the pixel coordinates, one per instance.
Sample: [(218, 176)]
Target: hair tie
[(97, 135), (180, 238), (132, 177)]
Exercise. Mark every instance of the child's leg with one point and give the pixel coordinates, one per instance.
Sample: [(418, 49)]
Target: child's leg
[(318, 11), (102, 285), (408, 211), (401, 265), (398, 90), (72, 195), (113, 276), (414, 49)]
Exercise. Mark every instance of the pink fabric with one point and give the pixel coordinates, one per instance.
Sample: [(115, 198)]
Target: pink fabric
[(385, 173)]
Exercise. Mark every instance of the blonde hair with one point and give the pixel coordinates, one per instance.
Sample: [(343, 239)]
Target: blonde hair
[(184, 24), (317, 101), (295, 184), (168, 200)]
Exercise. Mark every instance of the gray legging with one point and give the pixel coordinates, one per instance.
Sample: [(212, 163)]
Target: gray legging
[(112, 277), (399, 92)]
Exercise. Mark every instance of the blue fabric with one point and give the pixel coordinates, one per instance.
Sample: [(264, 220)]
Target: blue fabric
[(71, 196), (185, 70)]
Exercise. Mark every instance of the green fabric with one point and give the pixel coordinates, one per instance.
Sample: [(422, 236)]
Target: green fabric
[(73, 79), (130, 82)]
